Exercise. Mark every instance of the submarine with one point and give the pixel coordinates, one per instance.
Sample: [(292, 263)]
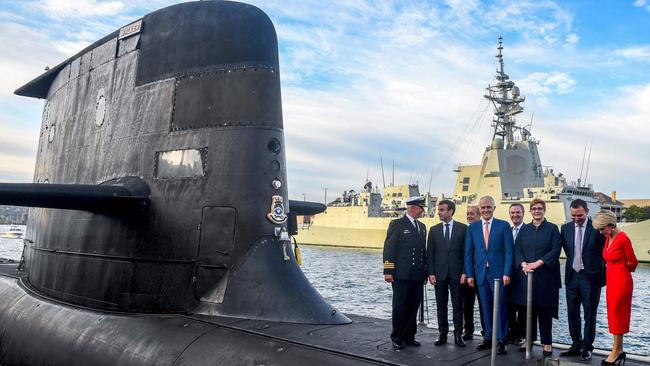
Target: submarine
[(160, 227)]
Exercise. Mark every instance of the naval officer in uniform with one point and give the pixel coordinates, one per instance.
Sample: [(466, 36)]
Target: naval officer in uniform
[(405, 270)]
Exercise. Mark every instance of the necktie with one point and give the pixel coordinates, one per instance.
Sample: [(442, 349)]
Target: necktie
[(447, 234), (417, 227), (515, 232), (577, 253), (486, 233)]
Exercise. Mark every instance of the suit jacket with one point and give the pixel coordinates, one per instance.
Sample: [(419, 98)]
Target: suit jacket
[(405, 250), (446, 261), (592, 252), (499, 254)]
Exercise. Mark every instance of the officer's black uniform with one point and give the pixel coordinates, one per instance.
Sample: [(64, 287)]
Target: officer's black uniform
[(405, 260)]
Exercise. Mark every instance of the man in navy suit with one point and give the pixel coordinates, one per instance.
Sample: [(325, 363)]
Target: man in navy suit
[(489, 256), (445, 266), (584, 277), (405, 269)]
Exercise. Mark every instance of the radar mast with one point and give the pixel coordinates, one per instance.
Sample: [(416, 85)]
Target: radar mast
[(506, 98)]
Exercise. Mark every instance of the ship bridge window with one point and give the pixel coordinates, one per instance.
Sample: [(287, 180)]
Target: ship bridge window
[(465, 188), (466, 180), (186, 163)]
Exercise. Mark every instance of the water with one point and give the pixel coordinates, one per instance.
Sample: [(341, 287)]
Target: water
[(11, 248), (352, 280)]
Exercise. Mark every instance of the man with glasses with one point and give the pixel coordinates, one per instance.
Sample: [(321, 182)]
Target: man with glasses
[(488, 257)]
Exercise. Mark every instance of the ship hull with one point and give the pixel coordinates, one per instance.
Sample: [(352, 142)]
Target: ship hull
[(35, 330), (347, 227)]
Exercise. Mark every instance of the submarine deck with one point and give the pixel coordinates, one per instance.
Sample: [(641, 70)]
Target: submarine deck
[(365, 340)]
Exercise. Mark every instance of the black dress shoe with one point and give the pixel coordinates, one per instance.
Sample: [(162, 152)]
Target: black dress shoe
[(413, 343), (442, 339), (573, 351), (487, 344), (398, 345), (458, 339), (547, 354), (501, 348), (468, 336), (586, 355)]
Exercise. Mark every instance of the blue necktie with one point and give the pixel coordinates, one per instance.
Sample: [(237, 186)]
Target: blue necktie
[(447, 234)]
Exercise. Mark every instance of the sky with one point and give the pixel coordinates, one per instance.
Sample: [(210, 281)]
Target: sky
[(399, 79)]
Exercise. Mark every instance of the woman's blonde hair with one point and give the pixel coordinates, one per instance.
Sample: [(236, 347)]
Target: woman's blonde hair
[(604, 218)]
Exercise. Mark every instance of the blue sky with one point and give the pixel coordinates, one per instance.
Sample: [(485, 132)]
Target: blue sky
[(403, 78)]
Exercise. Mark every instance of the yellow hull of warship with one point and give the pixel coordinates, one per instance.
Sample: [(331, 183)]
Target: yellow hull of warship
[(349, 227), (510, 171)]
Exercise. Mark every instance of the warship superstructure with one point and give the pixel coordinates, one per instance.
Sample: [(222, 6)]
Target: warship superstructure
[(510, 170)]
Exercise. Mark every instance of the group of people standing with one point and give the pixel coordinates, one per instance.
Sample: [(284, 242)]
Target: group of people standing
[(465, 260)]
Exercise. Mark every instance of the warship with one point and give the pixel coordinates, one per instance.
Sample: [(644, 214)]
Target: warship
[(511, 171)]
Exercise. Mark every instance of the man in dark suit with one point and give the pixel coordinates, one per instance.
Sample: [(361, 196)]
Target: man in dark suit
[(489, 257), (445, 266), (471, 293), (516, 313), (405, 269), (584, 277)]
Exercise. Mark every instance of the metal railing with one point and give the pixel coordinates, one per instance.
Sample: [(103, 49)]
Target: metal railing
[(529, 315), (495, 320)]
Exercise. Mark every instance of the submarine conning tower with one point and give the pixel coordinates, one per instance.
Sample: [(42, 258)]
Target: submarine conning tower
[(170, 131)]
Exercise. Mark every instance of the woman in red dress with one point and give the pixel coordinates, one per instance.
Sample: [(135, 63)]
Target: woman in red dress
[(621, 262)]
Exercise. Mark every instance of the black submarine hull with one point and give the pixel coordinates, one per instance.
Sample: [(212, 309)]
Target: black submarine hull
[(38, 331)]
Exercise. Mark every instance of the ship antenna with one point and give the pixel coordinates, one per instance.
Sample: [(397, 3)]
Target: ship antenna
[(588, 161), (530, 125), (392, 183), (430, 179), (582, 165), (367, 171), (381, 161)]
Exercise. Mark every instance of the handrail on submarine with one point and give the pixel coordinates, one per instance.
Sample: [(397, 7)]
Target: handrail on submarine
[(306, 207), (128, 195)]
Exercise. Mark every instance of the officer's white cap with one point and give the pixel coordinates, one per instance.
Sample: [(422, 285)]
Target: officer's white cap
[(415, 200)]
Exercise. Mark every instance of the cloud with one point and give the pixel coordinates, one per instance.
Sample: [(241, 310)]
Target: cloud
[(636, 53), (639, 3), (542, 83), (572, 39), (26, 52), (619, 141), (60, 9), (360, 77)]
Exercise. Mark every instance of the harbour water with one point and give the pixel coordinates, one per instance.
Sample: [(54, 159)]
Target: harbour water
[(352, 280)]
